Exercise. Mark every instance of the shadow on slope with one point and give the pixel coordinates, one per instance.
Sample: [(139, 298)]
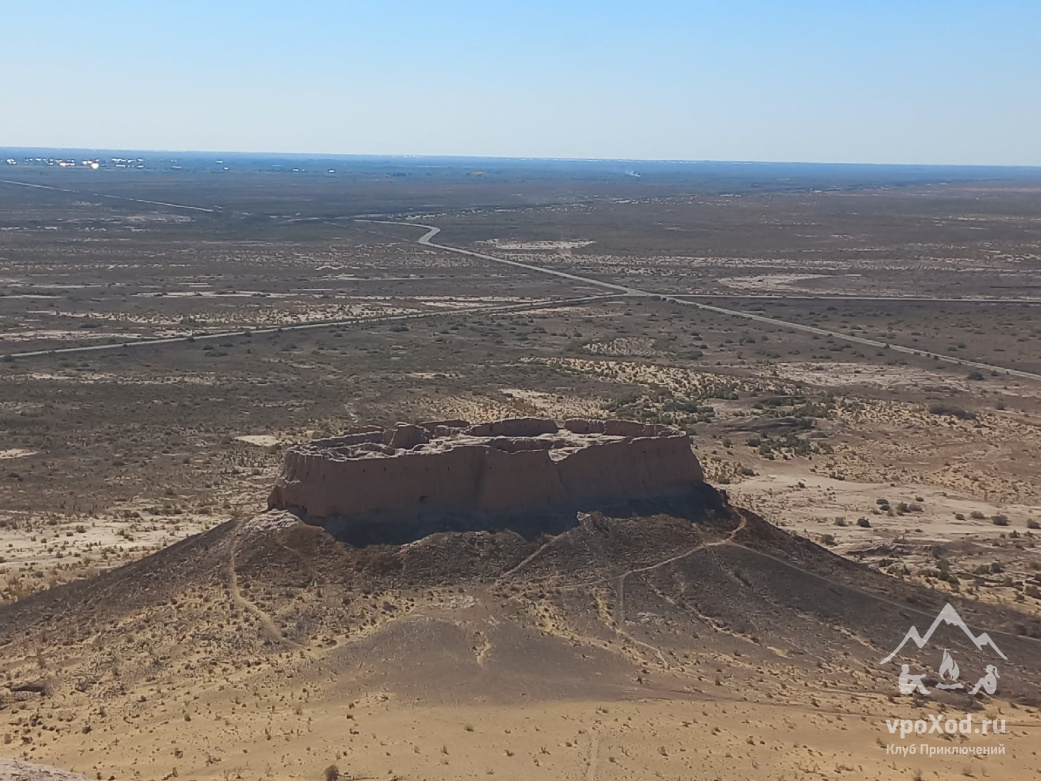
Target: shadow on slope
[(663, 587)]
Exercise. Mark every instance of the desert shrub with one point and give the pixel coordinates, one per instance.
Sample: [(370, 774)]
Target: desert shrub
[(976, 515), (332, 773), (940, 573), (999, 520), (943, 408), (1032, 524), (863, 523)]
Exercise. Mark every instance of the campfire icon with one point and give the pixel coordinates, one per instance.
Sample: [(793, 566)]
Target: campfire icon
[(949, 672)]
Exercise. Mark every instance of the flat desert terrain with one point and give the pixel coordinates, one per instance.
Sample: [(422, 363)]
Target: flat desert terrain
[(856, 354)]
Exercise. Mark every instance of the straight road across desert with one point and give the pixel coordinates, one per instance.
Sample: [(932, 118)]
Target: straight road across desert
[(432, 231)]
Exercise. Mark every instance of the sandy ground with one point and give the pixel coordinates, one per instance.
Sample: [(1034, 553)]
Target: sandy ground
[(235, 735), (38, 552), (15, 452), (260, 440), (810, 504)]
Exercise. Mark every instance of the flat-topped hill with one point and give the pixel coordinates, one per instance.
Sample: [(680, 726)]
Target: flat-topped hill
[(507, 466)]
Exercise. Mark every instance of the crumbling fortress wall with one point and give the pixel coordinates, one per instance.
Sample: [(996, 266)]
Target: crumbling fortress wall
[(512, 465)]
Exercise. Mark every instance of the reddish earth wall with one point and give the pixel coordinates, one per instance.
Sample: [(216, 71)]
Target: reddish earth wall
[(510, 465)]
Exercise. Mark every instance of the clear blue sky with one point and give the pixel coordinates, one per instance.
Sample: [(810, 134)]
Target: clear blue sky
[(914, 81)]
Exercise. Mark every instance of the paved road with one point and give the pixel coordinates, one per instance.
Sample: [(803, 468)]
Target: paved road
[(103, 195), (201, 337), (841, 297), (425, 240), (432, 231)]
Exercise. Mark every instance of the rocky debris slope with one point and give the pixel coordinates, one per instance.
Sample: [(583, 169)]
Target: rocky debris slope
[(514, 465), (15, 770)]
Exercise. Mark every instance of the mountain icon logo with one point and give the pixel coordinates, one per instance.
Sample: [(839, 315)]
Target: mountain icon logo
[(950, 617)]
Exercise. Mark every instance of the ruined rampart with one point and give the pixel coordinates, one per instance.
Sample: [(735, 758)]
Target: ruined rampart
[(506, 466)]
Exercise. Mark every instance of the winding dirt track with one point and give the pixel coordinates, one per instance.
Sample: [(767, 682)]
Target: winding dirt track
[(267, 624)]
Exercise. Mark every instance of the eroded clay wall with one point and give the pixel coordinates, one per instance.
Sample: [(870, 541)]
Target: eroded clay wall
[(505, 472), (324, 486), (635, 467)]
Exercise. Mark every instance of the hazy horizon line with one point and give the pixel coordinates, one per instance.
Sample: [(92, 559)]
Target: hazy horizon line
[(426, 156)]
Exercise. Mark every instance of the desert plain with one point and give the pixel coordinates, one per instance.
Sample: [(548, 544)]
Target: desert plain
[(855, 353)]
